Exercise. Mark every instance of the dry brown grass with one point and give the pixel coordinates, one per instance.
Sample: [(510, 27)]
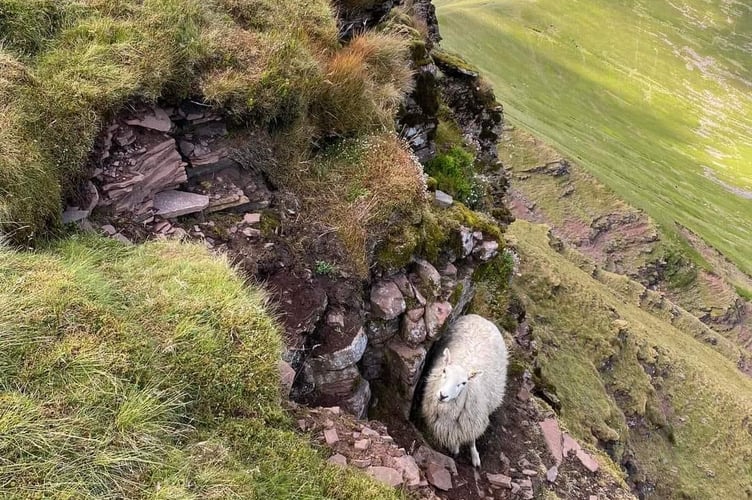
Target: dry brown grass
[(359, 188), (364, 84)]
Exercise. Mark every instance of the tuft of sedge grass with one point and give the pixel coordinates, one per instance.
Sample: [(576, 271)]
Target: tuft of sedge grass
[(143, 372), (358, 187), (364, 85)]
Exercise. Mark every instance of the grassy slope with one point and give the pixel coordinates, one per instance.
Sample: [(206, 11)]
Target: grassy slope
[(146, 371), (626, 375), (67, 65), (615, 85)]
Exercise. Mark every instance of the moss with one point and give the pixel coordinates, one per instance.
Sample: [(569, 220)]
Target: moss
[(477, 221), (456, 294), (452, 60), (269, 223), (397, 249), (454, 173)]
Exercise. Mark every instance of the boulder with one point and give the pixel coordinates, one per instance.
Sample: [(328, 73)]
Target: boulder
[(173, 203), (486, 250), (425, 456), (344, 357), (409, 468), (358, 402), (386, 475), (380, 331), (429, 279), (406, 361), (413, 332), (387, 301), (439, 477), (436, 316)]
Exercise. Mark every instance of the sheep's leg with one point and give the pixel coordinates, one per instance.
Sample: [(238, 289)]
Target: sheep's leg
[(456, 450), (474, 455)]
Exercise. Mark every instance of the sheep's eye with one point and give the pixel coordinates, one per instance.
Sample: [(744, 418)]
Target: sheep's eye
[(464, 383), (443, 371)]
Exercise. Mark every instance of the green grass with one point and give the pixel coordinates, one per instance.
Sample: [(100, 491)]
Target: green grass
[(632, 373), (615, 86), (146, 372), (66, 66)]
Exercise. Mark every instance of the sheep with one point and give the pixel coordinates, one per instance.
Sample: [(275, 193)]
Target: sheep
[(466, 384)]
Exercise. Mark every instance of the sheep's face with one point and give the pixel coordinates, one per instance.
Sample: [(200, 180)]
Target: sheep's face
[(454, 379)]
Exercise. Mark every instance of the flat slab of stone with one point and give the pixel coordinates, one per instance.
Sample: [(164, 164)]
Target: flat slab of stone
[(499, 480), (173, 203), (439, 477), (386, 475), (442, 199), (155, 119)]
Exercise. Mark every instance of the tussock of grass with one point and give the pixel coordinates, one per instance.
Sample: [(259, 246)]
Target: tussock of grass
[(359, 186), (632, 381), (147, 371), (275, 64), (364, 84)]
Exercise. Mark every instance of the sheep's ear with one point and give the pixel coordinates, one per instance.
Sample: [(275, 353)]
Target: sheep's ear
[(447, 358), (473, 374)]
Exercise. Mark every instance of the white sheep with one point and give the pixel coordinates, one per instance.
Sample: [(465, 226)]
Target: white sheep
[(466, 384)]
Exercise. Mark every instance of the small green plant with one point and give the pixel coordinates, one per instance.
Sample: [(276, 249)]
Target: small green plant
[(324, 268), (454, 174)]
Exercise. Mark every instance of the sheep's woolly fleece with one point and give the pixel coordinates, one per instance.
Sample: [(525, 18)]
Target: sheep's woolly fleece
[(477, 345)]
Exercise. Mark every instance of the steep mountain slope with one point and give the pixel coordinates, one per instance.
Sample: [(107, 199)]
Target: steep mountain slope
[(651, 97), (672, 410)]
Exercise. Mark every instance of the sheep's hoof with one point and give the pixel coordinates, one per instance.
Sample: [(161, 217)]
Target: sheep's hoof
[(475, 457)]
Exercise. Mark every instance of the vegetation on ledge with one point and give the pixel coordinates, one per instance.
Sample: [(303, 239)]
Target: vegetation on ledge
[(146, 372)]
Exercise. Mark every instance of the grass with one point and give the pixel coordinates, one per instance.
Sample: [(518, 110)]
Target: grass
[(645, 105), (146, 372), (68, 65), (357, 187), (454, 173), (633, 377)]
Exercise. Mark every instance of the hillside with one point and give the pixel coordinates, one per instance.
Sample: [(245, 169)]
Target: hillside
[(672, 410), (653, 98), (234, 233)]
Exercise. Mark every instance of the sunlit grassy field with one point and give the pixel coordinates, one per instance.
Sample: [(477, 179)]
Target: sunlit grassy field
[(653, 97)]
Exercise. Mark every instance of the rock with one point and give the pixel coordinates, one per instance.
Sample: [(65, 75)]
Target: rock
[(358, 402), (442, 199), (525, 484), (529, 472), (337, 459), (367, 431), (552, 474), (335, 319), (415, 314), (587, 461), (430, 279), (515, 488), (425, 456), (347, 356), (250, 232), (155, 119), (449, 271), (334, 410), (409, 468), (387, 301), (486, 251), (414, 332), (435, 317), (72, 216), (593, 497), (122, 239), (287, 376), (330, 436), (379, 331), (362, 444), (361, 463), (386, 475), (467, 241), (499, 480), (404, 286), (372, 363), (251, 218), (337, 384), (439, 477), (406, 361), (553, 438), (173, 203), (179, 234), (109, 229)]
